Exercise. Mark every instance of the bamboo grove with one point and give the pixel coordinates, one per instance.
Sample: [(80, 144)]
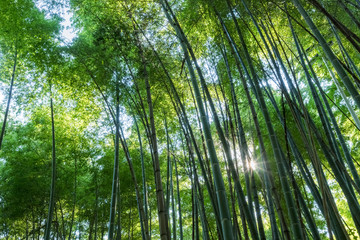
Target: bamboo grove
[(191, 119)]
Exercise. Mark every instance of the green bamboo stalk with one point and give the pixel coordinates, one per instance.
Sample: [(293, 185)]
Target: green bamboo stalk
[(329, 53), (188, 131), (118, 225), (280, 162), (242, 141), (320, 181), (243, 144), (336, 127), (225, 144), (342, 48), (53, 173), (145, 200), (343, 95), (199, 202), (207, 180), (350, 35), (232, 201), (173, 203), (267, 174), (307, 215), (241, 196), (116, 168), (219, 182), (178, 200), (336, 224), (257, 206), (162, 214), (348, 11), (168, 174), (9, 97)]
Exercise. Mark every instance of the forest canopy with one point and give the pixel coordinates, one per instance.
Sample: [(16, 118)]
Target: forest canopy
[(179, 119)]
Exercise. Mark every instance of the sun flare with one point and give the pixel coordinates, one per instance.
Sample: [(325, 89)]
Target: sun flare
[(252, 165)]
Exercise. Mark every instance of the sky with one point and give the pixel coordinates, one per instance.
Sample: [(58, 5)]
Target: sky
[(68, 32)]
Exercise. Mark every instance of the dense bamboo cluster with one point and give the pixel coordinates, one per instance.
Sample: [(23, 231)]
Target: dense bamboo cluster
[(193, 119)]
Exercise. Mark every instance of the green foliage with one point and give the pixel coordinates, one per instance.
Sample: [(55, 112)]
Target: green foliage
[(126, 43)]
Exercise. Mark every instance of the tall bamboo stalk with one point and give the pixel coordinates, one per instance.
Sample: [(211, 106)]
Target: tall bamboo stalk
[(53, 173), (116, 167), (329, 53), (219, 182), (9, 97)]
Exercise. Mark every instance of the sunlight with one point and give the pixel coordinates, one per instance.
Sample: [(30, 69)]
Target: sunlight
[(252, 164)]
